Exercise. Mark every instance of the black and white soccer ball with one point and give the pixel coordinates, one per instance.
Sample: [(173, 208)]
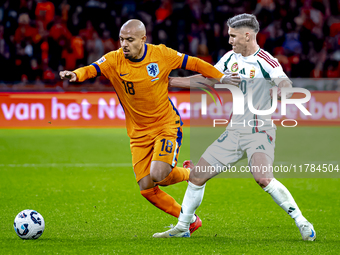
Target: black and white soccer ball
[(29, 224)]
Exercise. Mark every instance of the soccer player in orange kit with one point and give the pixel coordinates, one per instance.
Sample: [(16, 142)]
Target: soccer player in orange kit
[(139, 73)]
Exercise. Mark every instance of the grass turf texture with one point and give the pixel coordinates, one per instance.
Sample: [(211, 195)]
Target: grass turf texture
[(82, 183)]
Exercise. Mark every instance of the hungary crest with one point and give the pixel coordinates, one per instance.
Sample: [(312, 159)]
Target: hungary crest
[(252, 73)]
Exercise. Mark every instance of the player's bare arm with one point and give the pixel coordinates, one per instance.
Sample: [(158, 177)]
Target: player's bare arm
[(199, 81), (195, 81), (282, 84)]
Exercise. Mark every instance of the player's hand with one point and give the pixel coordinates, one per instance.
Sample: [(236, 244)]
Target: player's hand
[(231, 78), (68, 75)]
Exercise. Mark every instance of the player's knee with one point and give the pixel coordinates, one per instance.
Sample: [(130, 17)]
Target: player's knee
[(197, 181), (157, 175), (159, 171), (263, 182), (146, 183), (198, 178)]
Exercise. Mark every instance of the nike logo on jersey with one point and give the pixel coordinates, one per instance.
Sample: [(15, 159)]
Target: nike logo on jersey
[(160, 154), (123, 74)]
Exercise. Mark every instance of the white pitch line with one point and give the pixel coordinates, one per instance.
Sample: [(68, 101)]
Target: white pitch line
[(69, 165)]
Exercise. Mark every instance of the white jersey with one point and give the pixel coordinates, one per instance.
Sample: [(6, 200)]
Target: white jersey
[(258, 72)]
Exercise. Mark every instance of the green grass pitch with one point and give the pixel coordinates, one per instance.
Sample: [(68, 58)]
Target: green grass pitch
[(82, 182)]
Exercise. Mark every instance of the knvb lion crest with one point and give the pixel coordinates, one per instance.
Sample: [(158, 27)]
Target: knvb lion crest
[(152, 69)]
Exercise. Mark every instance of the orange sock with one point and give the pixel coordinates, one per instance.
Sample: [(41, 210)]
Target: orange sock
[(162, 200), (178, 174)]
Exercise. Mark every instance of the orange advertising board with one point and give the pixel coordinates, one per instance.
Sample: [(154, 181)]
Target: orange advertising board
[(97, 109)]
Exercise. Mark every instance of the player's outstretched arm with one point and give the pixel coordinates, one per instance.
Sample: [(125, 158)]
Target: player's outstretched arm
[(199, 81), (231, 78), (71, 76), (81, 74), (194, 81), (207, 70), (282, 84)]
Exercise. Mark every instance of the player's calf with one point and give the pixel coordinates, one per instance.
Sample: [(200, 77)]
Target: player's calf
[(162, 200)]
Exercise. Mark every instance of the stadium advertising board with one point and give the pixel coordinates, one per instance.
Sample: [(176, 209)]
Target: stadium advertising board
[(322, 108), (48, 110)]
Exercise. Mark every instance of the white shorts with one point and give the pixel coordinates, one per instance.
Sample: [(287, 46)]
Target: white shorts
[(230, 147)]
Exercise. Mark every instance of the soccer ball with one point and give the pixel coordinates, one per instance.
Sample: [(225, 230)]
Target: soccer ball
[(29, 224)]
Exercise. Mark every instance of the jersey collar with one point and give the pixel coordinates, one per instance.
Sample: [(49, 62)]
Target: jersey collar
[(257, 51), (141, 59)]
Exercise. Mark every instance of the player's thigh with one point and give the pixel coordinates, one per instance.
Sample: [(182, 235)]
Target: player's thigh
[(261, 168), (141, 150), (167, 145), (260, 149), (263, 142), (222, 153)]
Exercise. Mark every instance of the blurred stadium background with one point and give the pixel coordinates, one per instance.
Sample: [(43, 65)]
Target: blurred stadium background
[(38, 38)]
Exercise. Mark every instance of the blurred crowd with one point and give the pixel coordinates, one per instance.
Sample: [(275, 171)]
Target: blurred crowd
[(38, 38)]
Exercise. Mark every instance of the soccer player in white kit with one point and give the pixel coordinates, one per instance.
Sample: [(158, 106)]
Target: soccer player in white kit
[(258, 72)]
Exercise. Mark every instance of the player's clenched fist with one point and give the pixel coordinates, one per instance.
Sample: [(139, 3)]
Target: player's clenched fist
[(231, 78), (68, 75)]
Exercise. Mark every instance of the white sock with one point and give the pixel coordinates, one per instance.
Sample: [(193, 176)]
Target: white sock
[(284, 199), (192, 199), (193, 219)]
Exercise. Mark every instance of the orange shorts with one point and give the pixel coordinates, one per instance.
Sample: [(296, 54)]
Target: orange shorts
[(163, 146)]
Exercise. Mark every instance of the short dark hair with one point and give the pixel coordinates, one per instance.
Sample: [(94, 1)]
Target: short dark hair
[(244, 20)]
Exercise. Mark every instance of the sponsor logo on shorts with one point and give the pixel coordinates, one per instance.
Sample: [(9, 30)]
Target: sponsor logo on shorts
[(261, 147)]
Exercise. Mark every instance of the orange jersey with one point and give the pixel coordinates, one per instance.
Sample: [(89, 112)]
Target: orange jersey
[(142, 85)]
